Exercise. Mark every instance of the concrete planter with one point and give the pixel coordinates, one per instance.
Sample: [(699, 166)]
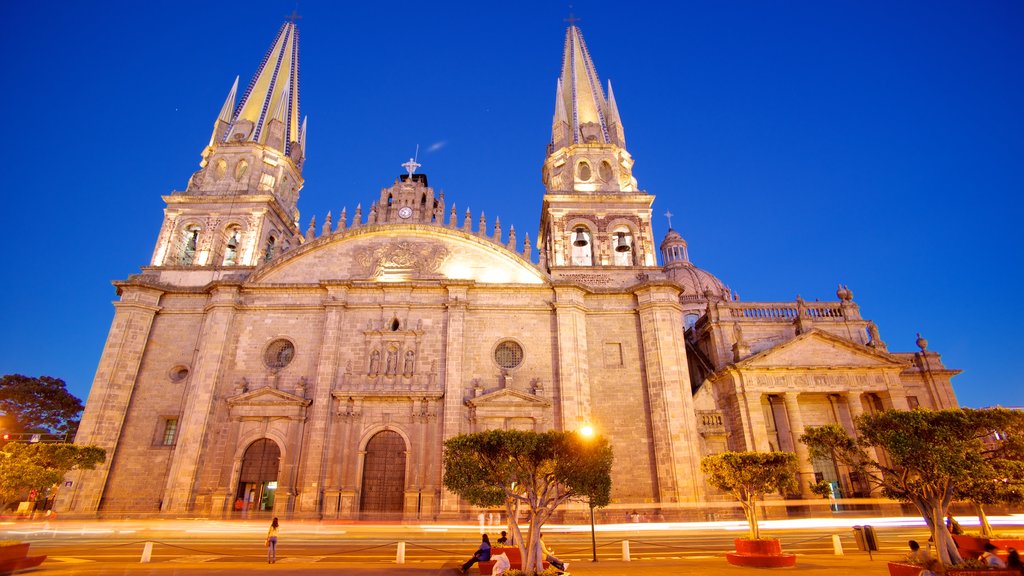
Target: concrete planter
[(15, 557), (974, 546), (762, 553), (907, 569)]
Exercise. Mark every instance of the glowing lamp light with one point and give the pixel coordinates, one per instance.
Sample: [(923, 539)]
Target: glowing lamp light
[(587, 430)]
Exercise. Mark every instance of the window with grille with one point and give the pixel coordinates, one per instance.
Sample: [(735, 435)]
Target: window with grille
[(508, 354), (170, 432), (279, 354)]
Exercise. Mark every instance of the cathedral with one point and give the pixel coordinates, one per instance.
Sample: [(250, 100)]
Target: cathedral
[(256, 366)]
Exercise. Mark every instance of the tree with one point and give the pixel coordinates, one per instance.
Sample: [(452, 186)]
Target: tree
[(748, 476), (40, 466), (931, 457), (40, 404), (529, 471), (999, 478)]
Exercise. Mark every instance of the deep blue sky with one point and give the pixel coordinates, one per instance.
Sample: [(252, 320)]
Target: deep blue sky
[(800, 144)]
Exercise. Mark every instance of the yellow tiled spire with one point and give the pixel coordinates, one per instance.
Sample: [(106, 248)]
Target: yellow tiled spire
[(582, 95), (273, 93)]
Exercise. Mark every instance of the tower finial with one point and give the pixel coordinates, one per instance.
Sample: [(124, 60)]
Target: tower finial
[(412, 164), (572, 19), (669, 215), (295, 14)]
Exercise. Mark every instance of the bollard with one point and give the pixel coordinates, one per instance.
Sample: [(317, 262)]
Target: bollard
[(147, 552), (837, 545), (625, 550), (400, 558)]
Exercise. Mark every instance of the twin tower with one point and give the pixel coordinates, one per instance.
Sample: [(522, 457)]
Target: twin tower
[(593, 215)]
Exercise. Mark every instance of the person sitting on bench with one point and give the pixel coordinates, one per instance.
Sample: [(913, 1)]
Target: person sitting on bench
[(483, 553)]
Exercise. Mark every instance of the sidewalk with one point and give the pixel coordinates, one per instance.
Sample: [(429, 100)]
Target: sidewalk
[(807, 565)]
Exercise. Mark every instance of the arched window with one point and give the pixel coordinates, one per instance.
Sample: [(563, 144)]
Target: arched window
[(583, 171), (605, 171), (221, 169), (189, 243), (690, 320), (622, 250), (581, 246), (241, 169), (234, 235), (268, 251)]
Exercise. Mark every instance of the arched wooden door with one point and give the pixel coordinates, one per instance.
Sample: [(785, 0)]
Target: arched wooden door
[(257, 480), (383, 487)]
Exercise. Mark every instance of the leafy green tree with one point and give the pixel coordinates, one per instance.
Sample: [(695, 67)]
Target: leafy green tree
[(999, 478), (748, 476), (530, 472), (40, 404), (40, 466), (932, 457)]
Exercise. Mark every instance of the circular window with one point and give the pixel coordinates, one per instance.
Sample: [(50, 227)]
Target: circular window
[(605, 171), (178, 373), (279, 354), (508, 354), (583, 171)]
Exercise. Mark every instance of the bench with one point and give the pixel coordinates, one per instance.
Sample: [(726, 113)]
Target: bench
[(514, 559)]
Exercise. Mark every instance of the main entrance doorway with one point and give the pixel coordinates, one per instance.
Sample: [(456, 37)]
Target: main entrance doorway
[(383, 477), (257, 482)]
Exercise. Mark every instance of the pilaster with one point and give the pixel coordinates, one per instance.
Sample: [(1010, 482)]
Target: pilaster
[(454, 414), (220, 312), (313, 473), (673, 421), (573, 372)]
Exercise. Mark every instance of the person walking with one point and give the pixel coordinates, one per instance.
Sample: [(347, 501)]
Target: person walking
[(482, 554), (272, 542)]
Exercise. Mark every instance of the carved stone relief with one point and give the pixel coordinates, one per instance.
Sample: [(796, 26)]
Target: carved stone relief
[(416, 257)]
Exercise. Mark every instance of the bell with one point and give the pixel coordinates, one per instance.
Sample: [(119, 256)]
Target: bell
[(580, 239), (621, 245)]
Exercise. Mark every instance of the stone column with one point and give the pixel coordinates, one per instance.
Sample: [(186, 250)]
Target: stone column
[(454, 410), (111, 394), (856, 409), (216, 328), (796, 428), (313, 473), (673, 420), (573, 371)]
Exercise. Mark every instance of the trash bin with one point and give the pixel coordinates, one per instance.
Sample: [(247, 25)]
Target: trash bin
[(867, 540)]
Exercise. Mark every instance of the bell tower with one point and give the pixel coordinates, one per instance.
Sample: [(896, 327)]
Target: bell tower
[(239, 209), (593, 215)]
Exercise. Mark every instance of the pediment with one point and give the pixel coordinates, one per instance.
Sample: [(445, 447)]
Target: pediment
[(268, 402), (818, 349), (508, 398), (399, 253)]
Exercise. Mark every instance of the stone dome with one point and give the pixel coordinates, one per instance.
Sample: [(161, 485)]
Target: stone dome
[(695, 282)]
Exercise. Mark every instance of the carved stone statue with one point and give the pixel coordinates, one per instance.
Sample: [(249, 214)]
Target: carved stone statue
[(374, 362), (410, 361), (392, 362)]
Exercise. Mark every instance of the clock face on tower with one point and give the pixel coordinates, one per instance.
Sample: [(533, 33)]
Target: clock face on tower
[(405, 212)]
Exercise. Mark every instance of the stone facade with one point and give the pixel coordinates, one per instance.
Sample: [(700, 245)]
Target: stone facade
[(256, 367)]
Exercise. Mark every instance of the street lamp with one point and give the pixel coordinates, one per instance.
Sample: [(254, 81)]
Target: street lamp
[(587, 432)]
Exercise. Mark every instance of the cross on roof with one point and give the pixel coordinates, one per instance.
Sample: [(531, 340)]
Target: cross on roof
[(572, 19), (669, 215), (411, 166), (295, 14)]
